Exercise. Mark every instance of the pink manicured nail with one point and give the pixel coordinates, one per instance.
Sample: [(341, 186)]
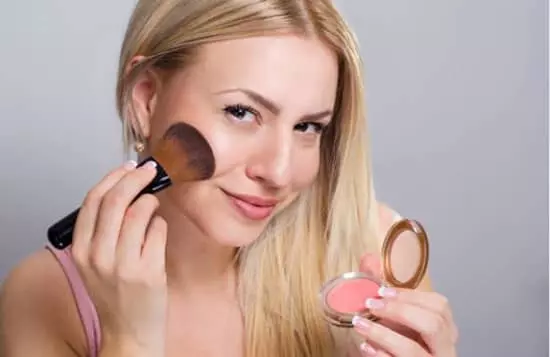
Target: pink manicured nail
[(367, 349), (360, 323), (151, 165), (130, 164), (387, 292), (374, 304)]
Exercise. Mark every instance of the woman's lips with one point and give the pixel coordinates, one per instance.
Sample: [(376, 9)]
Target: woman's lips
[(252, 207)]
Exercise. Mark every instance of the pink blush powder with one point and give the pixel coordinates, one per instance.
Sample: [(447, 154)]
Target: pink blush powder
[(350, 296)]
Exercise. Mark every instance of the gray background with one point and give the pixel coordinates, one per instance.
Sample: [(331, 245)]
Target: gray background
[(457, 94)]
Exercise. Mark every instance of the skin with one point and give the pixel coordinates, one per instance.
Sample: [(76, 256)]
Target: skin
[(270, 150), (261, 154)]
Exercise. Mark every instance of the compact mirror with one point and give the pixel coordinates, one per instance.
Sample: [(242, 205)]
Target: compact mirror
[(410, 230)]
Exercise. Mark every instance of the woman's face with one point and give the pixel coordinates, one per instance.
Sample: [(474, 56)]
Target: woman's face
[(263, 104)]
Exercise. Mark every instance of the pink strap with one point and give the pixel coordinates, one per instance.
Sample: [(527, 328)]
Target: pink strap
[(85, 306)]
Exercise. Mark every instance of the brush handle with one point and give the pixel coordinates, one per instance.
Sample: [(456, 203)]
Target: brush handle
[(60, 234)]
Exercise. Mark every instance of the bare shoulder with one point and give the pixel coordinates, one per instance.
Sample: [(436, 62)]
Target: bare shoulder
[(405, 253), (38, 314)]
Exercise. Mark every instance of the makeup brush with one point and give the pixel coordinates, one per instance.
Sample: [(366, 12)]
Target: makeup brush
[(182, 155)]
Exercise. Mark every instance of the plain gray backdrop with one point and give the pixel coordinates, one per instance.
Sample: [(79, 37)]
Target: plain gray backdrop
[(457, 103)]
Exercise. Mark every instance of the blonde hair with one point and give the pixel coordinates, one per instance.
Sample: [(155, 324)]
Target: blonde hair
[(327, 229)]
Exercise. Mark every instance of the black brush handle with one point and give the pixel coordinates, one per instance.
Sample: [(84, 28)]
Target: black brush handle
[(60, 234)]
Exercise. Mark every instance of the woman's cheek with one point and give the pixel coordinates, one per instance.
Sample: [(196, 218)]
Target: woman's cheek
[(305, 170), (230, 148)]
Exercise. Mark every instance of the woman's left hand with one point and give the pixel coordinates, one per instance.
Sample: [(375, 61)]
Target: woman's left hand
[(412, 323)]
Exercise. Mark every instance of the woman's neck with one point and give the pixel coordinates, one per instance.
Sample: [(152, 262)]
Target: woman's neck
[(194, 262)]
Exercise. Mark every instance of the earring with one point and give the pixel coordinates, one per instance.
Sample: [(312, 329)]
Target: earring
[(139, 146)]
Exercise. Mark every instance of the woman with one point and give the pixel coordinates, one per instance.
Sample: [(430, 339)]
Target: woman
[(230, 266)]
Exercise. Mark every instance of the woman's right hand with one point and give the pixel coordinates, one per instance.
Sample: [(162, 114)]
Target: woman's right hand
[(119, 248)]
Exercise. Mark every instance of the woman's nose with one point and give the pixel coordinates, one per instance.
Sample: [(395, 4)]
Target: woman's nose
[(271, 161)]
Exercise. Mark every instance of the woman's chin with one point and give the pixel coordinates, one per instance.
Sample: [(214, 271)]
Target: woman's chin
[(229, 232)]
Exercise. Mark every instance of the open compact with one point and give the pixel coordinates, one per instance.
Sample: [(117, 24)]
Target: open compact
[(344, 297)]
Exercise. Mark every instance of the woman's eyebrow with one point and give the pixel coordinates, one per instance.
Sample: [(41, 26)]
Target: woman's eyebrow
[(256, 97), (270, 105)]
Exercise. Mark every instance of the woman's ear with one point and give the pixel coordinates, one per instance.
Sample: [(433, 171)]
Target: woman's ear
[(144, 96)]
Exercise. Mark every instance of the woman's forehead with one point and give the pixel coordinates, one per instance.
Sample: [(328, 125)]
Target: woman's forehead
[(288, 69)]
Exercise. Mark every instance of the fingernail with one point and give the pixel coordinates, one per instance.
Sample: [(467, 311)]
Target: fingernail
[(150, 165), (367, 349), (130, 164), (360, 322), (374, 304), (384, 291)]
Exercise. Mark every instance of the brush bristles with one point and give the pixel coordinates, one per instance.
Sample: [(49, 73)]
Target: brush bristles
[(185, 154)]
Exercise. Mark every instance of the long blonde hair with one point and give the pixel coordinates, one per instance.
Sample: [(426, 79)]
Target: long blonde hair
[(327, 229)]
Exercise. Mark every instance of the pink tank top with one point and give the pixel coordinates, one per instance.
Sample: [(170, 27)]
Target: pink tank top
[(86, 309)]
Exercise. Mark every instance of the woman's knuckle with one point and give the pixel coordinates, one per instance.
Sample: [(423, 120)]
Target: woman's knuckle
[(132, 212), (101, 269), (434, 326), (79, 255), (114, 199), (100, 265), (92, 198), (142, 207)]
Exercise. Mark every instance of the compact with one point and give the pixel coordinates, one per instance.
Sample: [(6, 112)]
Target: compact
[(343, 297)]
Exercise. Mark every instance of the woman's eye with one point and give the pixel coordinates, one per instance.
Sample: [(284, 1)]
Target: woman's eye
[(241, 112), (310, 127)]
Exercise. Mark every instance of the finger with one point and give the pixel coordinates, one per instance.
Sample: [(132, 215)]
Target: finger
[(388, 340), (427, 300), (154, 248), (405, 331), (432, 327), (371, 263), (134, 228), (370, 350), (433, 301), (112, 210), (382, 353), (87, 216)]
